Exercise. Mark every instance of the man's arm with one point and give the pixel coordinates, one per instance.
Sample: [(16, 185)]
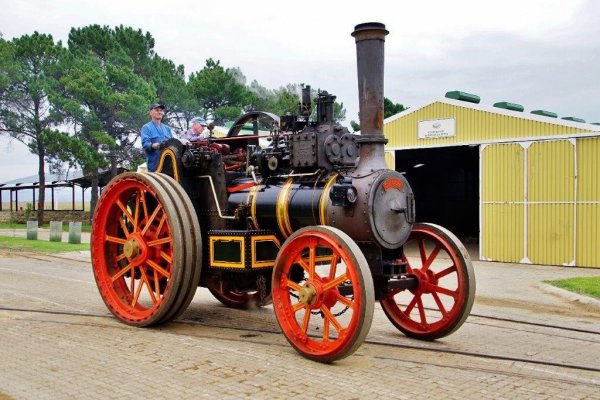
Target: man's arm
[(147, 137)]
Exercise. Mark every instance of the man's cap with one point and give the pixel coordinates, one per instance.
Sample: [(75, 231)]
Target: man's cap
[(155, 105), (199, 120)]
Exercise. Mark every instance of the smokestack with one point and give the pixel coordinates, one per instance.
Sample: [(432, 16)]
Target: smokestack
[(370, 40)]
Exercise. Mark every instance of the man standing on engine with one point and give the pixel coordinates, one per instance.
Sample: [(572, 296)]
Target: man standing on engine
[(153, 134)]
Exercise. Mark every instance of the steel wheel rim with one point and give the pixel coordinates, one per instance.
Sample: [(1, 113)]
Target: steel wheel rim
[(133, 251), (445, 276), (296, 303), (191, 242)]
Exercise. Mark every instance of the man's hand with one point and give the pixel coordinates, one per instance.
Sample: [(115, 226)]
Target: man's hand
[(155, 145)]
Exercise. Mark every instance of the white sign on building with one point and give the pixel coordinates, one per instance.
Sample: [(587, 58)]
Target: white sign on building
[(437, 128)]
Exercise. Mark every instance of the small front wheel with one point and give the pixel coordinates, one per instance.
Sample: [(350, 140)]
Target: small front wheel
[(443, 298), (323, 293)]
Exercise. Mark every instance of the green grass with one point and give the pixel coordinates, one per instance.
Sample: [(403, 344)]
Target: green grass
[(5, 225), (40, 246), (586, 286)]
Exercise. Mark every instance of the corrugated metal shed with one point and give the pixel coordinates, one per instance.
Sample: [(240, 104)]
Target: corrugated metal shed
[(539, 197), (476, 124)]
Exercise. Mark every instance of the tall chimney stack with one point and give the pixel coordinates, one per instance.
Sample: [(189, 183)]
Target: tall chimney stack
[(370, 40)]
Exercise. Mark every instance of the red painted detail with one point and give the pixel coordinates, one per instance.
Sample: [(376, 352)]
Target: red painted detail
[(241, 187), (393, 183)]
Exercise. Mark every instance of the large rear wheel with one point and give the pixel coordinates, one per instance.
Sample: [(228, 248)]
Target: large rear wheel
[(323, 293), (145, 249), (443, 299)]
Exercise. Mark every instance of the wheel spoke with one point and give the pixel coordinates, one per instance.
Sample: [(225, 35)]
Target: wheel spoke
[(303, 264), (148, 286), (432, 257), (443, 290), (138, 290), (114, 239), (160, 242), (123, 271), (161, 224), (136, 216), (339, 280), (157, 286), (292, 285), (335, 259), (326, 330), (312, 250), (440, 304), (422, 251), (445, 272), (144, 205), (331, 318), (306, 320), (151, 219), (125, 211), (159, 269), (166, 257), (345, 301), (421, 311), (132, 280), (412, 304), (124, 227), (298, 306)]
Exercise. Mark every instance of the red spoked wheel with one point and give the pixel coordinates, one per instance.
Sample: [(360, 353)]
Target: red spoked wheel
[(323, 293), (145, 248), (443, 299)]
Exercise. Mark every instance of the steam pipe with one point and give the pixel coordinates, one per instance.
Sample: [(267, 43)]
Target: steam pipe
[(370, 40)]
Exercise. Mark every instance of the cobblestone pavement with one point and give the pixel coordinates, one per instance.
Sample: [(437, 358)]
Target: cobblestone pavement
[(57, 340)]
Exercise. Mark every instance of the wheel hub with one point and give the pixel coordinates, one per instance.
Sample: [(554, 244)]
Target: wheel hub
[(425, 279), (131, 249), (308, 294)]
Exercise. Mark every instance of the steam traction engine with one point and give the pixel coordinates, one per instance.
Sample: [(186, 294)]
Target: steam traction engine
[(313, 222)]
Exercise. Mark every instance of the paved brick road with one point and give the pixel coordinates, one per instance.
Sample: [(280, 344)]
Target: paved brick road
[(215, 352)]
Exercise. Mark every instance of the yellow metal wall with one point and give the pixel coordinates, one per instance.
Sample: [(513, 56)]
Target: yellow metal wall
[(551, 196), (502, 201), (390, 159), (588, 203), (472, 126), (540, 202)]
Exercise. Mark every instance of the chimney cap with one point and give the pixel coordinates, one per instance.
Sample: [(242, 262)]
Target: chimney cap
[(370, 30)]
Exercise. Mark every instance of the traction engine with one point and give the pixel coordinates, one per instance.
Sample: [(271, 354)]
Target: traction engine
[(308, 218)]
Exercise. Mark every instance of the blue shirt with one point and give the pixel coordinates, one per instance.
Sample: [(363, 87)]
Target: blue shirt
[(154, 133)]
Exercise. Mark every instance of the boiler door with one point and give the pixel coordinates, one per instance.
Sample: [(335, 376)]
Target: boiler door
[(392, 210)]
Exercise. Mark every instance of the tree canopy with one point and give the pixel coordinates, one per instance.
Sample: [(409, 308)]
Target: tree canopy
[(389, 109), (27, 84), (83, 104)]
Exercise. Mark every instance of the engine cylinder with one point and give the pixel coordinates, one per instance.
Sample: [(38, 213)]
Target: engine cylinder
[(378, 208)]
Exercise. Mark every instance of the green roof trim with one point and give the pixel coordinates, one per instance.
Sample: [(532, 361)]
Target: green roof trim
[(463, 96), (509, 106), (595, 123), (545, 113), (574, 119)]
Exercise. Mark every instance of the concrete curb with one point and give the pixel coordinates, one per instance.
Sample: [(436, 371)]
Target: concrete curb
[(586, 301)]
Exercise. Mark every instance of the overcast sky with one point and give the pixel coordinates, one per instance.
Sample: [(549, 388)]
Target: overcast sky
[(541, 54)]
